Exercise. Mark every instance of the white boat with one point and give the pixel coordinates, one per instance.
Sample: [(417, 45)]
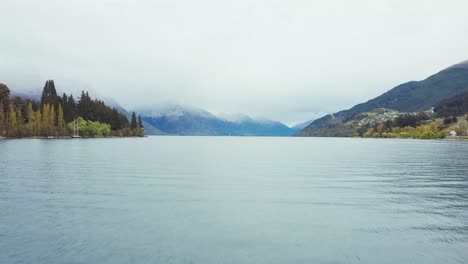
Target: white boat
[(76, 133)]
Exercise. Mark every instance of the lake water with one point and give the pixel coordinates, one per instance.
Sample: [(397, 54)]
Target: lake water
[(233, 200)]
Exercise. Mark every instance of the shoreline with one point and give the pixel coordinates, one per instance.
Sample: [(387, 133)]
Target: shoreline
[(62, 137), (145, 136)]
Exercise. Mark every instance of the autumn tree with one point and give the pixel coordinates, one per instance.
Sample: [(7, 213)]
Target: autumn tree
[(38, 122), (60, 120), (31, 125), (52, 116), (45, 119), (12, 121), (2, 119), (380, 128), (462, 127)]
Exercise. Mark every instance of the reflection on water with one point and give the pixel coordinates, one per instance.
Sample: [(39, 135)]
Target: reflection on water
[(233, 200)]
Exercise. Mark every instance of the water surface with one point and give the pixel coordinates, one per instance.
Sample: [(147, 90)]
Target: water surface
[(233, 200)]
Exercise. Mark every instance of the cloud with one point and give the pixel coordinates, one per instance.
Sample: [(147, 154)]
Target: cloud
[(284, 60)]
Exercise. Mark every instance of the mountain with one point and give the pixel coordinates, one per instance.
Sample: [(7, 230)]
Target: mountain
[(29, 95), (300, 126), (183, 120), (408, 97), (149, 129), (454, 106)]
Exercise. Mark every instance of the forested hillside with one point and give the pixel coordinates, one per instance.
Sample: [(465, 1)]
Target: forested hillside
[(455, 106), (412, 96), (57, 116)]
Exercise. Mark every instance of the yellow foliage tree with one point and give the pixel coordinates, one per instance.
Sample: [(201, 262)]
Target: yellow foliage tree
[(31, 126), (60, 121), (12, 121), (52, 116), (38, 122), (45, 119)]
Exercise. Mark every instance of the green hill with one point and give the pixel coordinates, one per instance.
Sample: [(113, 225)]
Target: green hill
[(408, 97)]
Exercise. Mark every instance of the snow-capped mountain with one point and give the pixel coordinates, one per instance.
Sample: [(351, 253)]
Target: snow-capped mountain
[(185, 120)]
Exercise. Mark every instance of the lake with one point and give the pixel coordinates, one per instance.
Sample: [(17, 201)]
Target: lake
[(233, 200)]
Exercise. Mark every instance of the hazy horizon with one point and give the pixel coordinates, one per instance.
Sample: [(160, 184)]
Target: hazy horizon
[(287, 61)]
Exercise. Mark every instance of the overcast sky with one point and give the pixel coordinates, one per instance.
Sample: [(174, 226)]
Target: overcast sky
[(285, 60)]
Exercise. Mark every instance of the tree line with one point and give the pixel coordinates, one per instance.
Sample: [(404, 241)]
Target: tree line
[(54, 115)]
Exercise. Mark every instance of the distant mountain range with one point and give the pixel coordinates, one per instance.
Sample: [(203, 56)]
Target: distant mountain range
[(412, 96), (172, 119), (183, 120)]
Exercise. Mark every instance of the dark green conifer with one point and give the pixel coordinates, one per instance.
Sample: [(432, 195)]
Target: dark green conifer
[(4, 97), (133, 124), (49, 94), (140, 123)]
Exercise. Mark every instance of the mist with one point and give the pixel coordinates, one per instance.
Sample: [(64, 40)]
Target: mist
[(285, 60)]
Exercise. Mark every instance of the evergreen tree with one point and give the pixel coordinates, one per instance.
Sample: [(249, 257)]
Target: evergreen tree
[(140, 123), (133, 124), (85, 107), (49, 94), (69, 108), (4, 97)]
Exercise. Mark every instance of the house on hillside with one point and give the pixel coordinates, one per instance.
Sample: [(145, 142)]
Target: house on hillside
[(429, 111), (453, 133)]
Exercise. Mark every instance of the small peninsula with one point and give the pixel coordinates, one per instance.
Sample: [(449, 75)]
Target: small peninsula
[(57, 116)]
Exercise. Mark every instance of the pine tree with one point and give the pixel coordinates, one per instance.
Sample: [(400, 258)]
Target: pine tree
[(85, 107), (69, 108), (133, 124), (140, 123), (4, 97), (49, 94)]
